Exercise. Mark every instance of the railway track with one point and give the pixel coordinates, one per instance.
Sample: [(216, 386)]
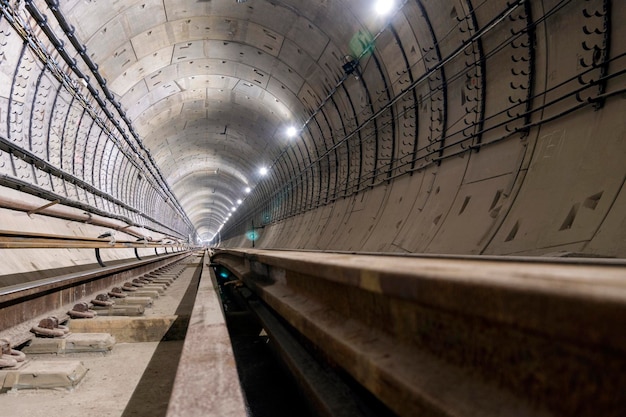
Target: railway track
[(137, 342), (360, 334), (31, 298), (452, 336)]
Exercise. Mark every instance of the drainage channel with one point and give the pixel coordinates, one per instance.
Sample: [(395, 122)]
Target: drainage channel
[(281, 373), (269, 389)]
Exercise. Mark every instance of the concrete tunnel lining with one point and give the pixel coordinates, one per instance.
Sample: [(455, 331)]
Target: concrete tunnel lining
[(467, 127), (131, 131)]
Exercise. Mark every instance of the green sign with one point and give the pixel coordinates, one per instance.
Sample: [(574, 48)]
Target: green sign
[(361, 43)]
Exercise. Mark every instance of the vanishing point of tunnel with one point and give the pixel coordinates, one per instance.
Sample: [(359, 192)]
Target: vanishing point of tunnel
[(487, 128), (473, 127)]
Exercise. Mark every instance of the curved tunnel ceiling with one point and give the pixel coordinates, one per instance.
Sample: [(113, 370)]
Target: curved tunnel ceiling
[(472, 126), (211, 86)]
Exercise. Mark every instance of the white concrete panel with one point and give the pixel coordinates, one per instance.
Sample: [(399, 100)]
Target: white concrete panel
[(144, 15), (187, 51), (154, 39), (133, 95), (297, 59), (139, 69), (308, 37), (108, 40), (264, 39)]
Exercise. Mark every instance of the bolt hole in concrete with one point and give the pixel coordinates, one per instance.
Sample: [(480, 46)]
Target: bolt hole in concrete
[(268, 385)]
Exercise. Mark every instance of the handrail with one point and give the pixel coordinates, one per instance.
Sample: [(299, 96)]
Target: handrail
[(25, 290), (25, 240)]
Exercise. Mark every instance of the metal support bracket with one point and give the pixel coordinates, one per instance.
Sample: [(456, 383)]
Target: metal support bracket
[(98, 258), (42, 208)]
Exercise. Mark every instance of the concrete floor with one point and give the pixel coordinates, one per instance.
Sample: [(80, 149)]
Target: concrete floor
[(105, 391), (134, 379)]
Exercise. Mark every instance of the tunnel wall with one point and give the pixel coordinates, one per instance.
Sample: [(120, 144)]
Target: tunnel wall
[(466, 127), (20, 262), (512, 143), (64, 138), (64, 143)]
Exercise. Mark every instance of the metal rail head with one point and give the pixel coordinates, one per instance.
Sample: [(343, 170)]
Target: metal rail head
[(402, 326), (20, 303)]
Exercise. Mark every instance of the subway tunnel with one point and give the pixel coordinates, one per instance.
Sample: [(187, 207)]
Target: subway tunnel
[(463, 128)]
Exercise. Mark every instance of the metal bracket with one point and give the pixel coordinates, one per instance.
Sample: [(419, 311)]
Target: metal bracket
[(42, 208), (98, 258)]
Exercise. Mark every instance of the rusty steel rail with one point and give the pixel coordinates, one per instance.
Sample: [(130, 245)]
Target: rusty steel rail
[(207, 382), (456, 337), (20, 304)]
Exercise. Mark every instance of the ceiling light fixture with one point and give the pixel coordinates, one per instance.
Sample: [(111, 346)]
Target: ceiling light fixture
[(383, 7), (239, 201), (292, 131), (247, 190), (263, 171)]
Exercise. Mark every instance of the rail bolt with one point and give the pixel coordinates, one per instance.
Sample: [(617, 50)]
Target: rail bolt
[(117, 292), (102, 300), (50, 327), (5, 347), (81, 311)]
